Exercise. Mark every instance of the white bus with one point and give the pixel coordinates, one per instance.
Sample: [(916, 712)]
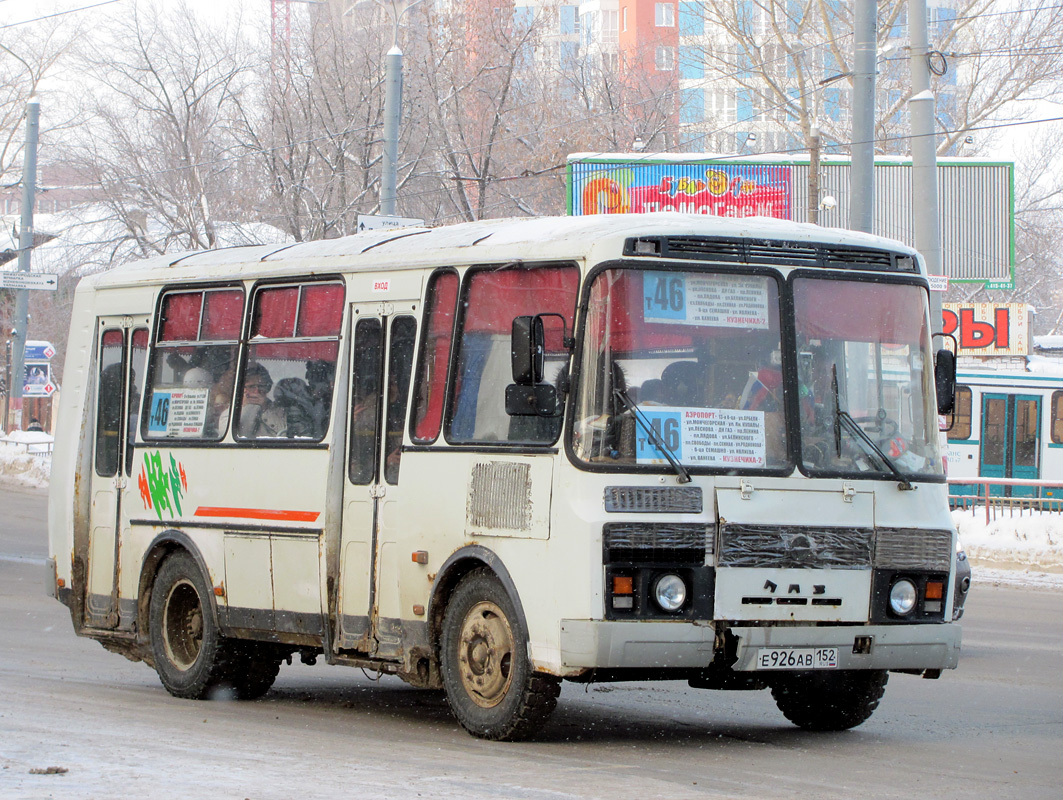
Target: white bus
[(1007, 425), (499, 455)]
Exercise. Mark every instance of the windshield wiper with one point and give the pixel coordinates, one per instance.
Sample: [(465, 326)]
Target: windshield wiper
[(655, 438), (842, 417)]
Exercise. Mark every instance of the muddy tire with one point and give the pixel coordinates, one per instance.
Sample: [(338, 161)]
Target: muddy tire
[(191, 656), (487, 675), (254, 668), (829, 701)]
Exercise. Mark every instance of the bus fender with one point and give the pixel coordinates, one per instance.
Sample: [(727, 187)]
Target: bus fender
[(460, 563), (161, 546)]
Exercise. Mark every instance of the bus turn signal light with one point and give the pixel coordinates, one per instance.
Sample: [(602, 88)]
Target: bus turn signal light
[(935, 590), (623, 584)]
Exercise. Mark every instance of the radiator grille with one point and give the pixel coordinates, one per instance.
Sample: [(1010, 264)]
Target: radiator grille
[(642, 542), (913, 548), (780, 546)]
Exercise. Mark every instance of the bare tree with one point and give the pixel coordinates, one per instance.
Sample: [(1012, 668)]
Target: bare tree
[(160, 143), (780, 64)]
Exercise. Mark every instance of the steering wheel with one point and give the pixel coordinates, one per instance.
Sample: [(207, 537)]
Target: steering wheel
[(880, 426)]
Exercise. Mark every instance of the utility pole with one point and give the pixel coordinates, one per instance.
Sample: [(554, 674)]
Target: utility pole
[(862, 151), (813, 173), (25, 245), (392, 110), (924, 153)]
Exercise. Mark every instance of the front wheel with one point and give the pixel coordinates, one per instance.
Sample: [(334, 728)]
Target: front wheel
[(829, 701), (487, 675)]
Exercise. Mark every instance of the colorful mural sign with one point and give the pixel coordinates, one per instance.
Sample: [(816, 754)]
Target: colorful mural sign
[(162, 486), (723, 190)]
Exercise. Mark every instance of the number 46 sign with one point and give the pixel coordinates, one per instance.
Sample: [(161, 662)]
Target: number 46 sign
[(720, 301)]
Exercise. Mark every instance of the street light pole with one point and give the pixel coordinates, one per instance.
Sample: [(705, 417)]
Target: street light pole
[(924, 153), (862, 150), (392, 110), (25, 245)]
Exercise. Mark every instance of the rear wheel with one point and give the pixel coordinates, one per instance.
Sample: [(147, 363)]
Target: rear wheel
[(254, 669), (191, 656), (487, 674), (829, 701)]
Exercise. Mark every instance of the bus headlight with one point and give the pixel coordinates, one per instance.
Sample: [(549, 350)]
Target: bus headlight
[(902, 597), (670, 592)]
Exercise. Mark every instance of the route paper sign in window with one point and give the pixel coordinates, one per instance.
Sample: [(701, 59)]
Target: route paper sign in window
[(709, 437), (721, 301)]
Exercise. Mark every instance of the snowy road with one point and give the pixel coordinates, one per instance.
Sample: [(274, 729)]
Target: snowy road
[(993, 728)]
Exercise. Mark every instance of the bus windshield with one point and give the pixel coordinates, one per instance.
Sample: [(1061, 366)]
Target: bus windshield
[(685, 369), (864, 365), (681, 367)]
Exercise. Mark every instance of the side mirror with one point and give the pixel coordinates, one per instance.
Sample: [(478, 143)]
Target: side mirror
[(945, 380), (528, 350), (532, 401)]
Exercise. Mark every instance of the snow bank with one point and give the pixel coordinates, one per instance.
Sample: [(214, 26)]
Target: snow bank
[(25, 458), (1033, 540)]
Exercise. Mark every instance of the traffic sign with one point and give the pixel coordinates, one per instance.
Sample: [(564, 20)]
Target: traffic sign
[(29, 280), (370, 222), (38, 351), (38, 380)]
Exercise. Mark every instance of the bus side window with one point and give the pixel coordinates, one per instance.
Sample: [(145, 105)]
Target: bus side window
[(195, 351), (493, 297), (959, 421), (430, 390), (1057, 417), (109, 403), (138, 361), (292, 351), (400, 364), (365, 401)]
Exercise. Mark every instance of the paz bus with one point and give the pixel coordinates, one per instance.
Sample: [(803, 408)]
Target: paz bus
[(498, 455)]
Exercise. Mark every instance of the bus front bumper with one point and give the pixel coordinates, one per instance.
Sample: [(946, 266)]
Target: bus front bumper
[(908, 647), (665, 645)]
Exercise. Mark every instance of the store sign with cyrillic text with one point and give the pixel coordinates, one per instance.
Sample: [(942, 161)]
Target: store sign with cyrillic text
[(988, 329)]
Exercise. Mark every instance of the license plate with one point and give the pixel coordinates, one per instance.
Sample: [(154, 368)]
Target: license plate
[(797, 658)]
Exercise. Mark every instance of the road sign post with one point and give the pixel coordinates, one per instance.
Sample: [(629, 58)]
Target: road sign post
[(29, 280)]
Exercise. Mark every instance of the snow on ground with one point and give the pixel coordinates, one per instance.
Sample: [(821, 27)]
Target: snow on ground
[(1024, 550), (25, 457)]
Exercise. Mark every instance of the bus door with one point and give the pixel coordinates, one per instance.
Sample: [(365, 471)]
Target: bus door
[(381, 365), (1011, 441), (122, 351)]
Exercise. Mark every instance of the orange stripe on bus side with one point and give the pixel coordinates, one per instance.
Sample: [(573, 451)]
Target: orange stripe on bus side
[(258, 513)]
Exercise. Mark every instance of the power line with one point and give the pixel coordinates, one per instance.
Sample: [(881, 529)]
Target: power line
[(57, 14)]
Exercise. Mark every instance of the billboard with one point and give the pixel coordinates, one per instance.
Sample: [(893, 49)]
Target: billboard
[(723, 190), (976, 198), (988, 329)]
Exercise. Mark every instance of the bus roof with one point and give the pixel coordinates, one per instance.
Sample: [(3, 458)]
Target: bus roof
[(541, 238)]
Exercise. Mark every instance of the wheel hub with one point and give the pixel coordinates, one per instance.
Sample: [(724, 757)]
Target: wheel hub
[(182, 630), (485, 654)]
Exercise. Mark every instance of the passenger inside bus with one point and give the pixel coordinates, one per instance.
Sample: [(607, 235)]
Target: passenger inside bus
[(260, 417)]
